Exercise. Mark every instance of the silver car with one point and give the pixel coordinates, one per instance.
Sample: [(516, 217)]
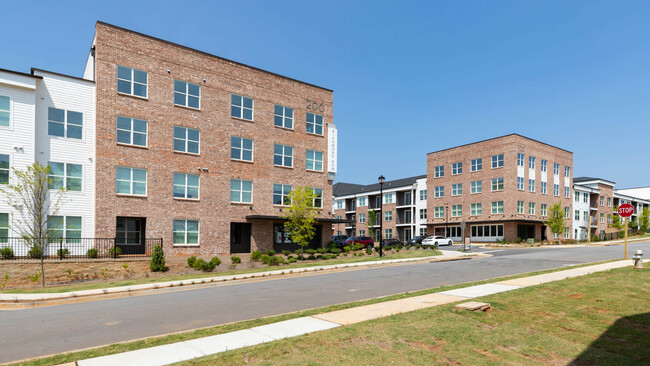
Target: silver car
[(437, 240)]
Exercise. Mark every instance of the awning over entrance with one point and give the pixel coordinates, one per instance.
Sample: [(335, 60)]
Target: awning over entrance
[(280, 218)]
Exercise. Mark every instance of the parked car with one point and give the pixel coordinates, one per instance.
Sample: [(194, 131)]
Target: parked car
[(416, 240), (390, 242), (339, 240), (365, 241), (437, 240)]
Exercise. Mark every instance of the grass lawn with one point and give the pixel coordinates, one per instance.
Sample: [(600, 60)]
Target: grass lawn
[(599, 319), (301, 264)]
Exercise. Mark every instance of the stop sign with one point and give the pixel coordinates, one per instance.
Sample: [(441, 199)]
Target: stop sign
[(625, 210)]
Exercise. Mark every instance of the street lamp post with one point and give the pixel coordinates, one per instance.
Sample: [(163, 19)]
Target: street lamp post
[(381, 210), (446, 220)]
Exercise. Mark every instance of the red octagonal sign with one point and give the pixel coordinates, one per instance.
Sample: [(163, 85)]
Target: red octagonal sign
[(625, 210)]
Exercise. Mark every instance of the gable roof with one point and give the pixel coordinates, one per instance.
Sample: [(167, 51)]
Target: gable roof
[(346, 189)]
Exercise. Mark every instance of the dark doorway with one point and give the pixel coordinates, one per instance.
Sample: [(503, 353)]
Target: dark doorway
[(282, 240), (543, 232), (525, 231), (130, 234), (240, 237)]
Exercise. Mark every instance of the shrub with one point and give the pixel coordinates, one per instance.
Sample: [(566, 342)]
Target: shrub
[(62, 253), (266, 259), (115, 252), (310, 251), (270, 252), (594, 237), (331, 245), (272, 260), (256, 256), (191, 261), (518, 240), (201, 265), (293, 260), (92, 253), (216, 261), (34, 252), (286, 252), (321, 250), (235, 259), (7, 253), (346, 248), (335, 251), (498, 241), (311, 257), (357, 246), (157, 263), (621, 233)]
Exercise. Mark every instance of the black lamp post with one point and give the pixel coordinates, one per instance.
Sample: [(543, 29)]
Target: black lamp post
[(381, 207), (446, 220)]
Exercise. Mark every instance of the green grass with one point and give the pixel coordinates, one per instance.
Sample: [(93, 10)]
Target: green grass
[(599, 319), (220, 329), (301, 264)]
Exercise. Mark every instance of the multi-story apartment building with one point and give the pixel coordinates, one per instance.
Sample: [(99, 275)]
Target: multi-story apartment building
[(498, 189), (402, 209)]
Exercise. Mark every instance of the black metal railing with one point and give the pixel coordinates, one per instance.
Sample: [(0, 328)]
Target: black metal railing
[(76, 248)]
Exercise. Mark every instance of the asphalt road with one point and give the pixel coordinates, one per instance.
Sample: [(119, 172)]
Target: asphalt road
[(55, 329)]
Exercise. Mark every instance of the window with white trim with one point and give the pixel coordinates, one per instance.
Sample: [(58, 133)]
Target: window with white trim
[(423, 195), (439, 171), (388, 233), (388, 216), (315, 124), (362, 218), (520, 207), (609, 201), (456, 210), (576, 214), (314, 160), (439, 191), (476, 165), (520, 183), (241, 107), (497, 184), (318, 197), (567, 212), (531, 162), (567, 192), (576, 196), (131, 181), (476, 209), (543, 165), (362, 201), (476, 186), (531, 185), (520, 159), (281, 194), (585, 197), (186, 186), (132, 81), (4, 169), (283, 155), (241, 148), (602, 218), (131, 131), (65, 175), (187, 94), (423, 231), (63, 123), (64, 227), (497, 207), (457, 189), (556, 169), (389, 197), (339, 204), (439, 212), (423, 213), (361, 233), (456, 168), (5, 111), (241, 191), (567, 171), (185, 232), (556, 190), (531, 208), (567, 233), (4, 227), (283, 116), (186, 140), (543, 188), (497, 161), (542, 209)]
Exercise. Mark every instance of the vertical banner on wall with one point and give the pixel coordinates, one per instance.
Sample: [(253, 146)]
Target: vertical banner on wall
[(332, 145)]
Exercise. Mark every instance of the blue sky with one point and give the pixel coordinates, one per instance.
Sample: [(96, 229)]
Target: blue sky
[(408, 77)]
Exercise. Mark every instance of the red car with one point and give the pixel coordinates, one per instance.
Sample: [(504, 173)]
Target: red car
[(365, 241)]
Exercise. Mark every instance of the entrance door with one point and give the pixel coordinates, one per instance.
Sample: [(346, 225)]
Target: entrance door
[(130, 235), (543, 232), (525, 231), (240, 237)]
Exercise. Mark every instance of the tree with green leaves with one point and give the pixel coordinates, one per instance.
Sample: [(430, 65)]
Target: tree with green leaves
[(372, 220), (644, 220), (617, 223), (301, 216), (556, 220), (34, 195)]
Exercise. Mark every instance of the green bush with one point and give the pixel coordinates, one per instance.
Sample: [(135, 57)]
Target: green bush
[(7, 253), (266, 259), (369, 251), (346, 248), (357, 246), (311, 257), (310, 251), (518, 240), (321, 250), (594, 237), (272, 260), (331, 245), (62, 253), (201, 265), (256, 256), (235, 259), (157, 263), (191, 261), (115, 252), (34, 252), (92, 253), (270, 252), (286, 252), (293, 260), (335, 251)]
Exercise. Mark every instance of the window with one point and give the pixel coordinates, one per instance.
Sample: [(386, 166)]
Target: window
[(542, 209), (609, 219), (361, 233), (477, 165), (609, 201), (567, 192), (520, 183), (423, 195), (543, 187), (423, 231), (476, 186), (187, 94), (241, 191), (456, 168), (131, 181), (131, 131), (497, 207), (531, 185), (567, 213), (602, 218), (4, 227), (576, 195), (241, 148), (4, 169), (388, 216), (543, 166), (64, 123), (520, 159), (497, 184), (531, 208), (64, 227), (388, 233), (185, 232), (439, 191), (556, 169), (283, 116), (556, 190), (439, 212), (315, 160), (476, 209), (487, 230), (439, 171), (281, 194), (389, 197), (186, 186), (423, 214), (457, 189), (584, 215), (576, 215), (531, 162), (602, 200), (456, 210), (520, 207), (339, 204), (362, 218), (318, 197), (186, 140), (5, 111), (314, 124), (283, 155), (585, 197), (65, 175), (497, 161), (131, 81), (241, 107), (567, 171), (362, 202)]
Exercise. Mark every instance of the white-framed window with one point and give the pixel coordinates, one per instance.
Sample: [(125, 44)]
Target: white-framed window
[(4, 227), (543, 187), (63, 123), (520, 183), (456, 210), (531, 208), (283, 116), (476, 186), (5, 111), (439, 171), (576, 214), (497, 161), (362, 201), (556, 169), (318, 197), (131, 131), (439, 212), (362, 218), (567, 212), (456, 168), (241, 148), (64, 227), (131, 181), (602, 218), (187, 94), (439, 191), (132, 81), (494, 231), (497, 184), (283, 155), (185, 232), (531, 185), (609, 201), (423, 195), (609, 219), (65, 175), (388, 216), (315, 124), (457, 189), (567, 233), (423, 231), (339, 204), (497, 207), (520, 207), (423, 213), (186, 186), (476, 209), (520, 159), (281, 194), (567, 192), (314, 160), (361, 233), (476, 165), (241, 191), (389, 197), (543, 209), (567, 172), (531, 162), (5, 167), (556, 190), (585, 197), (186, 140), (388, 233), (543, 165), (241, 107), (602, 200)]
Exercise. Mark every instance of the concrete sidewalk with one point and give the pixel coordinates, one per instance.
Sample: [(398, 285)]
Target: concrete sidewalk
[(182, 351)]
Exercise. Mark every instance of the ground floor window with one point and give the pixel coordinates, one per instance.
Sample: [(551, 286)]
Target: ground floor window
[(423, 231), (4, 227), (486, 232), (64, 227), (186, 232), (388, 233), (362, 233), (451, 232)]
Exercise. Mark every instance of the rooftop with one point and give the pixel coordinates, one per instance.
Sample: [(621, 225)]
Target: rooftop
[(590, 179), (346, 189), (500, 137)]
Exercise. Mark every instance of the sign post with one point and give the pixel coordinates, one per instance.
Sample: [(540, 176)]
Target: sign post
[(625, 210)]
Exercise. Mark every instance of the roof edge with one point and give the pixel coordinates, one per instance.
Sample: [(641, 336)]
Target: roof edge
[(21, 73), (59, 74), (500, 137)]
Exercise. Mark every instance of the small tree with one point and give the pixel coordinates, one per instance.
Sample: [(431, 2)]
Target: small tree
[(301, 216), (31, 196), (556, 220), (617, 223), (157, 259), (372, 220), (644, 221)]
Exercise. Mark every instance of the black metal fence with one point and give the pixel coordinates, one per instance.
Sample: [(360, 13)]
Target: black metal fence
[(75, 248)]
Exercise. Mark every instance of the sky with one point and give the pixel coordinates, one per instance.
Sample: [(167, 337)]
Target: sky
[(409, 77)]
